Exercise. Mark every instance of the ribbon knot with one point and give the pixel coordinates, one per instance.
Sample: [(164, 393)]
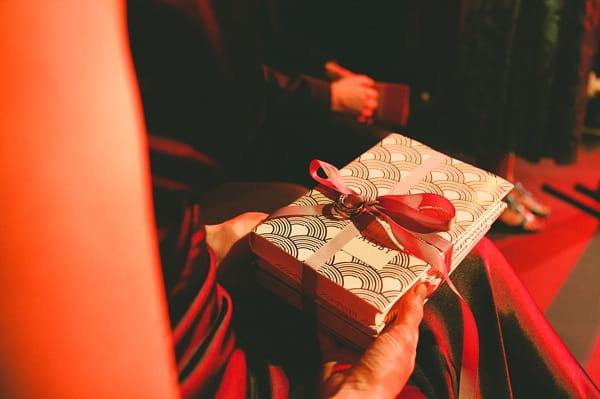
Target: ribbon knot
[(348, 205), (421, 213), (413, 219)]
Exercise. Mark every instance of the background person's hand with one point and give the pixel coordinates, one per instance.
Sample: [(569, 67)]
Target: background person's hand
[(356, 95), (335, 71), (384, 368)]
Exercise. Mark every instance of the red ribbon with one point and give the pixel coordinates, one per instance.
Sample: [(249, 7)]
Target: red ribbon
[(414, 219)]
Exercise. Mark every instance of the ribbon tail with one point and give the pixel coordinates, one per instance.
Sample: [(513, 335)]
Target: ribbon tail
[(421, 246), (429, 247)]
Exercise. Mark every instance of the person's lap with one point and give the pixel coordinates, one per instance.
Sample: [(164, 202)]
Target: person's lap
[(519, 351), (520, 355)]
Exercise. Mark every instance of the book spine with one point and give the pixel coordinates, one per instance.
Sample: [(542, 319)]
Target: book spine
[(475, 233)]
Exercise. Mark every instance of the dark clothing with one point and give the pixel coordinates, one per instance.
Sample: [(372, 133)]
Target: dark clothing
[(203, 81), (409, 42), (522, 78), (205, 94), (487, 77), (520, 354), (592, 110)]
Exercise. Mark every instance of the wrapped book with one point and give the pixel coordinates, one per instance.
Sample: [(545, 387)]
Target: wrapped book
[(399, 213)]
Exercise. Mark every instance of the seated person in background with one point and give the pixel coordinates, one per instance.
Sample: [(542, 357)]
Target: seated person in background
[(351, 93), (294, 135), (197, 70), (105, 301)]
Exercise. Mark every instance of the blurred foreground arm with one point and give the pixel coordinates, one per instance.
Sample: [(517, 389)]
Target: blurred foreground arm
[(82, 307)]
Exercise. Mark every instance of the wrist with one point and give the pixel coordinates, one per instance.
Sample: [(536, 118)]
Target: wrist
[(336, 103)]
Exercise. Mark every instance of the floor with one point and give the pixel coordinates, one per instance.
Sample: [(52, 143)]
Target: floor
[(560, 265)]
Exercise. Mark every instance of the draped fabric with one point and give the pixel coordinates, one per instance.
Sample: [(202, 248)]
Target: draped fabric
[(199, 310), (568, 38), (521, 356), (203, 82), (223, 348), (193, 74)]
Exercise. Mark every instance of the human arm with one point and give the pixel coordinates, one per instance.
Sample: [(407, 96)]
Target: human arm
[(353, 95), (335, 71), (83, 311)]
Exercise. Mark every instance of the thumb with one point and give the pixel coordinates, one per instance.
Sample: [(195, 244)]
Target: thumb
[(388, 362), (365, 80), (399, 339)]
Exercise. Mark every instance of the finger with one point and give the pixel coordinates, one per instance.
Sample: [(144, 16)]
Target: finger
[(367, 113), (410, 308), (373, 94), (387, 364), (399, 339), (372, 104), (369, 109), (365, 80)]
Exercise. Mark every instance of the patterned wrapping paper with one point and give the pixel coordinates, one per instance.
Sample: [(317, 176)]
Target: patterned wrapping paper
[(364, 279)]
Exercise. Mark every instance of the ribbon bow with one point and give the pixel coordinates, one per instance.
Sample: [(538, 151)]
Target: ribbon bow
[(414, 220), (412, 217)]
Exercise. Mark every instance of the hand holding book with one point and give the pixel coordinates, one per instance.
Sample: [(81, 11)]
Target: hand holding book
[(384, 368)]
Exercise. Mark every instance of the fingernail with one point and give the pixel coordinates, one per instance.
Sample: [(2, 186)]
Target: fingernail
[(421, 289)]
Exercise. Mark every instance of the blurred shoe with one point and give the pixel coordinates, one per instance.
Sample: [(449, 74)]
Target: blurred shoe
[(518, 218), (529, 201)]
